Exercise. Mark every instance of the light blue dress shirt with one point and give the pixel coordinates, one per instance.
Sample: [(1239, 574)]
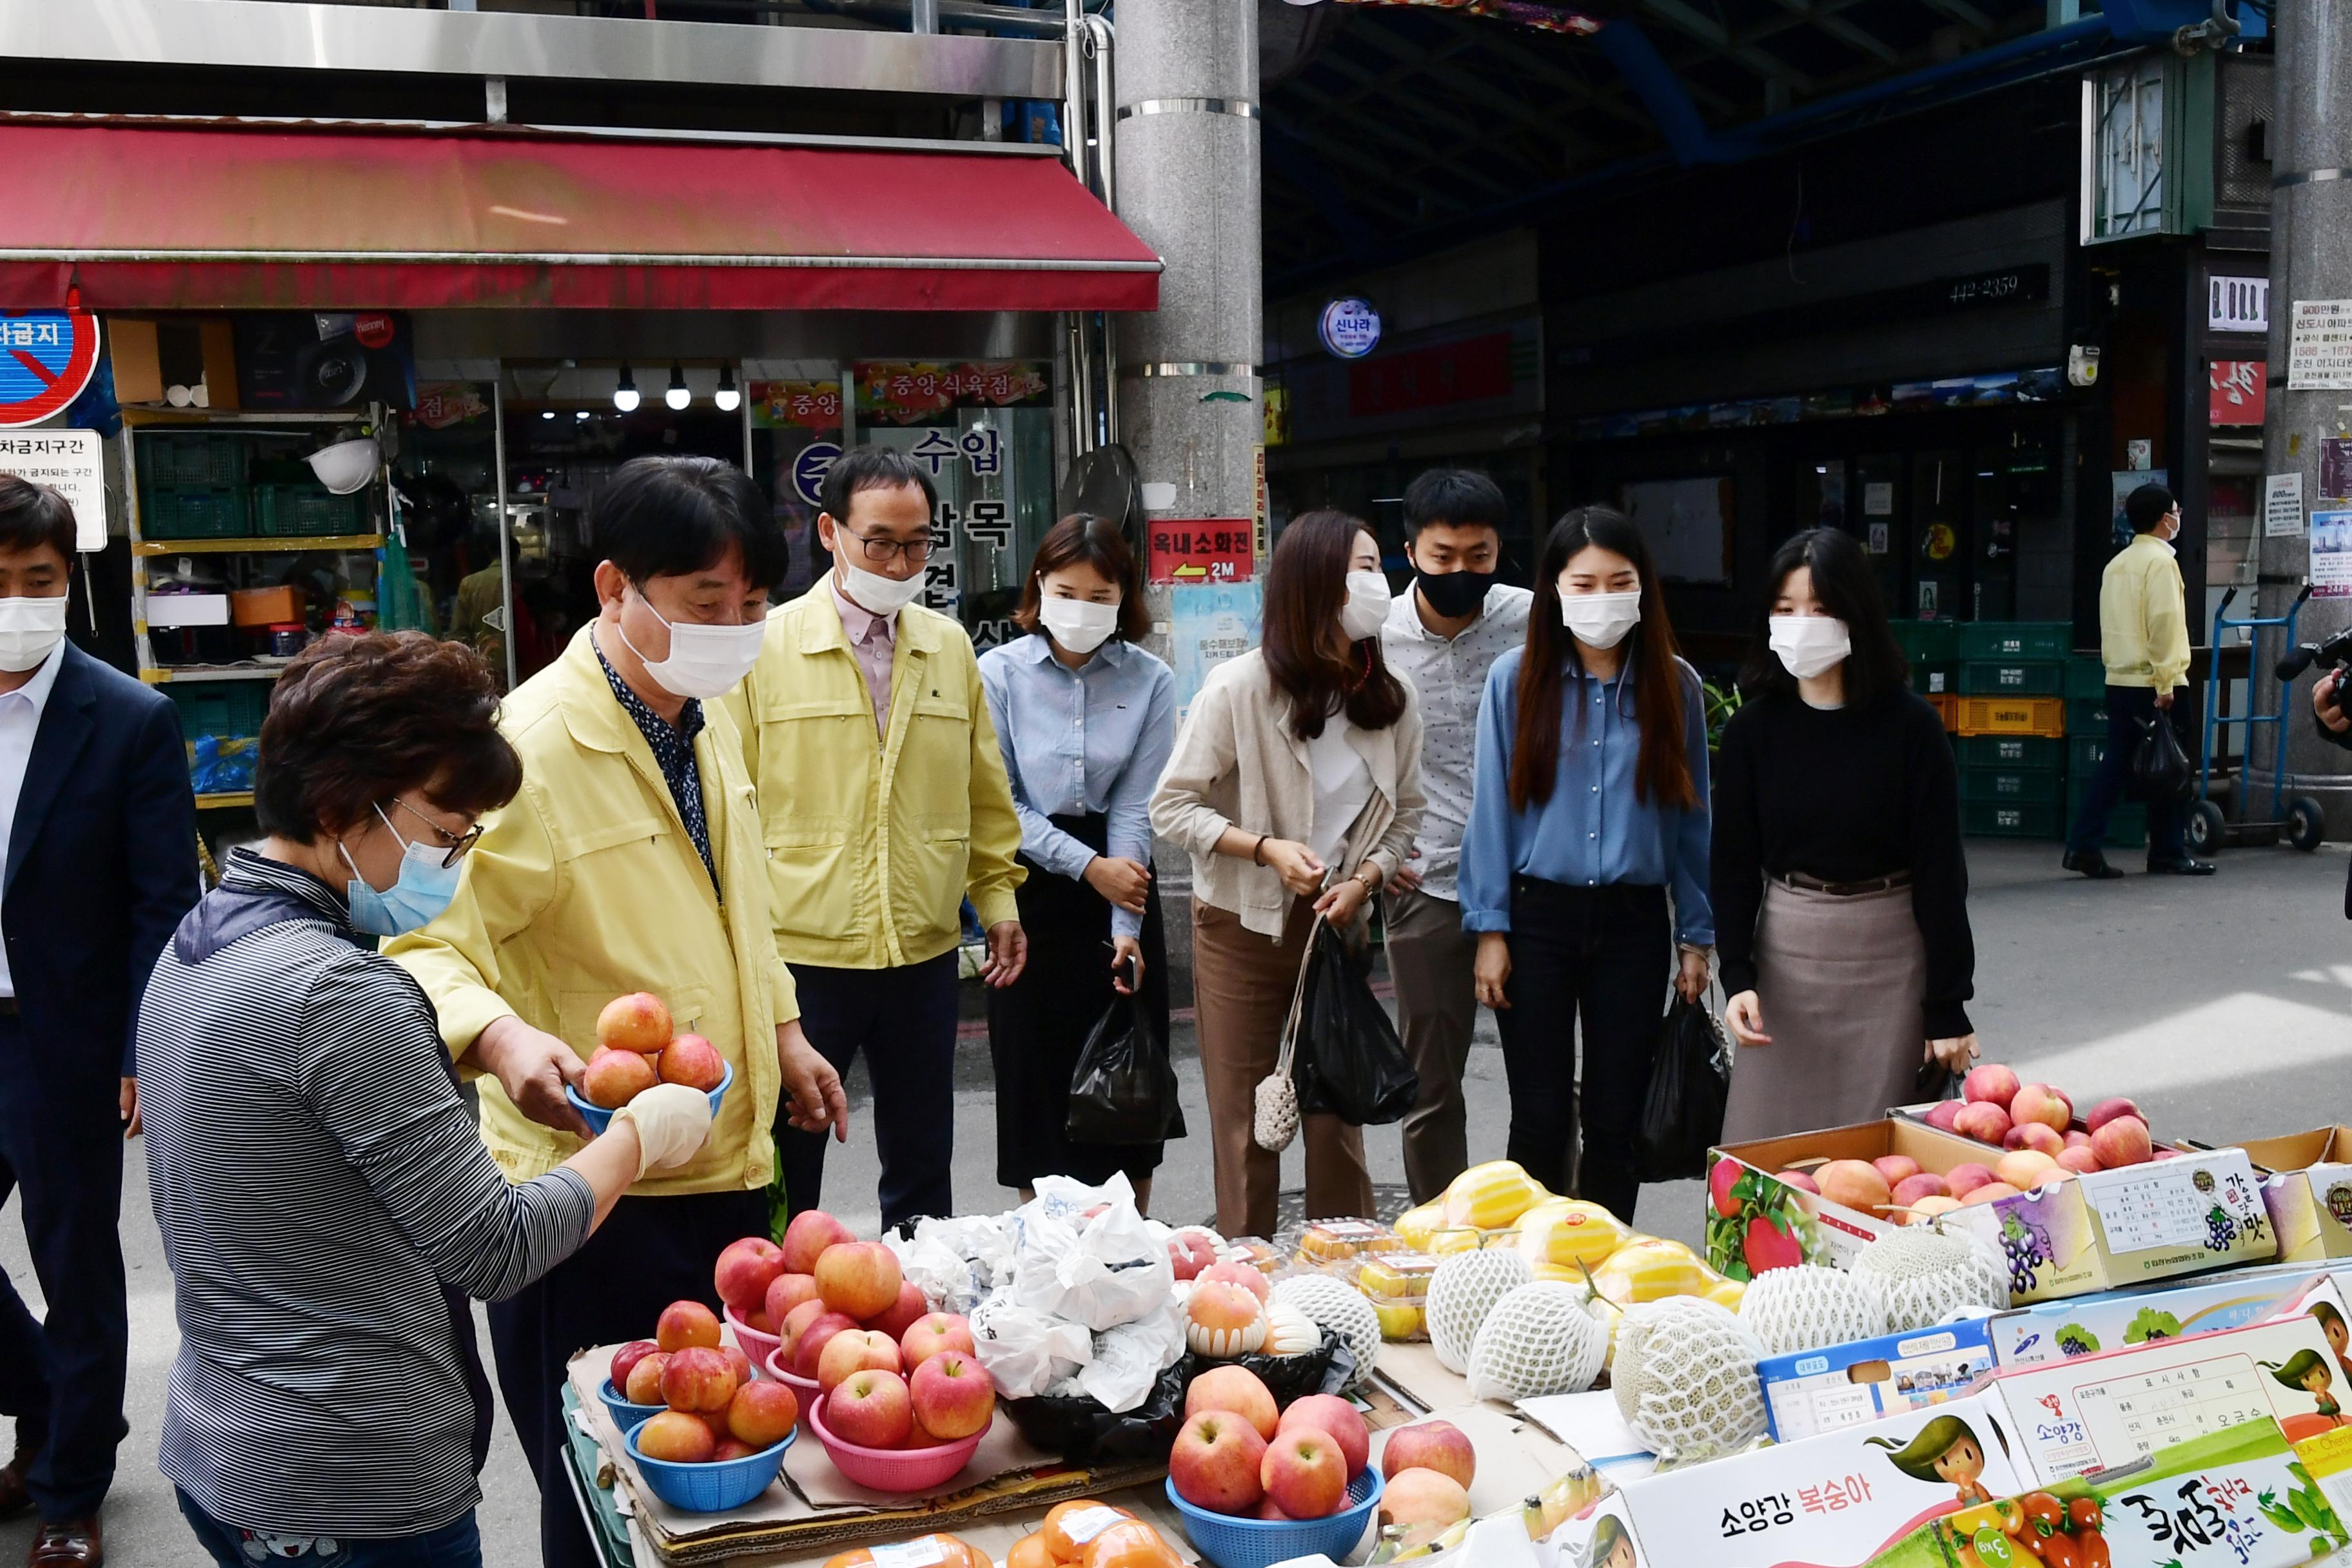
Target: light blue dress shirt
[(1078, 741), (1592, 831)]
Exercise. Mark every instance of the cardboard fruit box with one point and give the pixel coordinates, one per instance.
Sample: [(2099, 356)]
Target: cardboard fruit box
[(2307, 1188)]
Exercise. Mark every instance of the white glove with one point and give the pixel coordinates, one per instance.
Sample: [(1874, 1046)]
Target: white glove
[(672, 1121)]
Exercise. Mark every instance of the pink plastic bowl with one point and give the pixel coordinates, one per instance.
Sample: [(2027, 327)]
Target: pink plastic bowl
[(804, 1388), (756, 1345), (893, 1469)]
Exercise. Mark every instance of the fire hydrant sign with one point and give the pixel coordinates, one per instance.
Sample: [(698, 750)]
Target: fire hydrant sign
[(1201, 549), (72, 463)]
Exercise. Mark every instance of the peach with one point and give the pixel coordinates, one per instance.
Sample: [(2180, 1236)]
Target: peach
[(1989, 1083), (1426, 1503), (1925, 1184), (872, 1410), (787, 1291), (1927, 1208), (953, 1397), (1215, 1304), (1894, 1169), (626, 1358), (1943, 1113), (1191, 1251), (903, 1313), (732, 1448), (762, 1413), (1961, 1180), (854, 1351), (1339, 1421), (1854, 1183), (693, 1061), (808, 1350), (1982, 1121), (1236, 1389), (744, 1271), (1240, 1274), (811, 1232), (738, 1361), (677, 1437), (1991, 1191), (2024, 1168), (644, 1386), (860, 1279), (1217, 1463), (615, 1078), (2107, 1110), (687, 1325), (931, 1335), (1304, 1473), (637, 1022), (2079, 1159), (2043, 1103), (1438, 1445), (2122, 1141), (1801, 1180), (698, 1380)]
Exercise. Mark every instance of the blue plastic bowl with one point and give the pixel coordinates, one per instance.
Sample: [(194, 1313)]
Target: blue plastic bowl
[(625, 1415), (1231, 1543), (715, 1487), (598, 1118)]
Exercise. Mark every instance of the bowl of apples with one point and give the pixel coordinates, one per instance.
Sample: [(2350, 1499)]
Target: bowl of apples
[(635, 1049), (718, 1437), (1256, 1488)]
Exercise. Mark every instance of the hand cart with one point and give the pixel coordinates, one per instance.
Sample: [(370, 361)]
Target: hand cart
[(2300, 822)]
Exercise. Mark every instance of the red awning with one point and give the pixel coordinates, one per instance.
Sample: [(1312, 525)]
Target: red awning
[(213, 217)]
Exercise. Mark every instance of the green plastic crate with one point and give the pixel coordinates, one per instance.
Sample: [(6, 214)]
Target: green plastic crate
[(2085, 753), (2016, 639), (2013, 753), (2087, 716), (2011, 785), (2010, 819), (1928, 642), (2085, 678), (282, 511), (2127, 825), (2024, 678), (193, 457), (1940, 680), (193, 511), (232, 710)]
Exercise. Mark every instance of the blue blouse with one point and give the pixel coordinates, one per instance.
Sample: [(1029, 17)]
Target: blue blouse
[(1592, 831), (1094, 739)]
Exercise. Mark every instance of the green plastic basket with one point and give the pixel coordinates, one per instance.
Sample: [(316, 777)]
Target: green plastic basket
[(1928, 642), (231, 710), (2087, 716), (192, 512), (2013, 753), (2016, 639), (2024, 678), (2010, 819), (2007, 785), (286, 511), (2085, 678), (193, 457)]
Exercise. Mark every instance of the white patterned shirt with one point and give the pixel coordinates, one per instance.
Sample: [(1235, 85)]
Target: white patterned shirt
[(1450, 673)]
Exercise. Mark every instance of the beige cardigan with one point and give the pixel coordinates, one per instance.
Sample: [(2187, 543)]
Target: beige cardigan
[(1238, 764)]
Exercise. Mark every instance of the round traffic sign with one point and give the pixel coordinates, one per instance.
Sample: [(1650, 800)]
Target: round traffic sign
[(47, 358)]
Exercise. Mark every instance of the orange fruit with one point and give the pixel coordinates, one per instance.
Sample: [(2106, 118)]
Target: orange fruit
[(956, 1556), (1031, 1551), (1130, 1543), (1056, 1528)]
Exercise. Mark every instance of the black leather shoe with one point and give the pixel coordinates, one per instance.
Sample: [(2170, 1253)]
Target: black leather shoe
[(2092, 864), (2181, 867)]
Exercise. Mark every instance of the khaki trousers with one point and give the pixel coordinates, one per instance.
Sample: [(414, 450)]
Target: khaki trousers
[(1242, 985), (1432, 960)]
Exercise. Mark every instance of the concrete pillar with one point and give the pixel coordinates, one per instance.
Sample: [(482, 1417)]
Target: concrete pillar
[(2311, 258)]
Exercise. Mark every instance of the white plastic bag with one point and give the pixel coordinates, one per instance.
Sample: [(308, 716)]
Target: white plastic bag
[(1026, 1351), (1130, 1359), (932, 1267), (1101, 1271), (985, 1243)]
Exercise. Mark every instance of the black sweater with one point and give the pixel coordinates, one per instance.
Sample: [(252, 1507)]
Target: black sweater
[(1843, 796)]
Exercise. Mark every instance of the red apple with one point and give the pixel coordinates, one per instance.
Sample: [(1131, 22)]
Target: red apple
[(761, 1413), (860, 1279), (1962, 1180), (1216, 1463), (1236, 1389), (808, 1235), (1766, 1246), (2107, 1110), (1926, 1184), (744, 1271), (809, 1349), (903, 1313), (677, 1437), (1801, 1180), (1304, 1473), (2037, 1137), (1894, 1169), (627, 1358), (2122, 1141), (1191, 1251), (854, 1351), (931, 1335), (1990, 1193), (872, 1410), (615, 1078), (644, 1386), (637, 1022), (698, 1380), (2040, 1102), (1425, 1502), (787, 1291), (2077, 1138), (796, 1323), (1990, 1083), (1438, 1445), (2079, 1159), (1339, 1421), (953, 1397), (1240, 1274), (687, 1325), (738, 1361), (1266, 1511), (693, 1061), (1982, 1121), (1943, 1113), (732, 1448)]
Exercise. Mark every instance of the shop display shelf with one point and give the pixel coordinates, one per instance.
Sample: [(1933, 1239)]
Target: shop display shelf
[(245, 544), (2015, 753), (2012, 677), (232, 710), (234, 799), (193, 457), (306, 511), (2002, 640)]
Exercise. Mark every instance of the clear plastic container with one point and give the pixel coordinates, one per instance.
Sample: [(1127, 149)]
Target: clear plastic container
[(1402, 1277), (1328, 1240)]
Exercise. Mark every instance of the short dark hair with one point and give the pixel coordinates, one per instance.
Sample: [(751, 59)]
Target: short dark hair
[(665, 517), (1078, 538), (32, 515), (357, 720), (2147, 506), (1309, 658), (872, 469), (1847, 586), (1462, 496)]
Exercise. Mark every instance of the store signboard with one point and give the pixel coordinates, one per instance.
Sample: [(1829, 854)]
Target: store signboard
[(70, 462), (911, 391), (1349, 327), (806, 404), (1201, 549), (2319, 345), (1467, 369), (810, 466), (2283, 505), (47, 358), (2235, 392)]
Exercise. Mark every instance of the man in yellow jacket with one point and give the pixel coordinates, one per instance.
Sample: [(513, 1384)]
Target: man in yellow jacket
[(885, 801), (2144, 643), (631, 861)]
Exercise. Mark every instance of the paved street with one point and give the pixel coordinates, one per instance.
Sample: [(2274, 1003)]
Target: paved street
[(2221, 1005)]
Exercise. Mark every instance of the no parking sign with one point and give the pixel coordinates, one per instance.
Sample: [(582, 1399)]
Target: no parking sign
[(47, 358)]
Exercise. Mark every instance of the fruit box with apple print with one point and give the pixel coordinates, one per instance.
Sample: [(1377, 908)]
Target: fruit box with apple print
[(2307, 1188)]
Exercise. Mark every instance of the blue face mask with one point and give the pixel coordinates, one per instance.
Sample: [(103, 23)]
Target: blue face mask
[(416, 898)]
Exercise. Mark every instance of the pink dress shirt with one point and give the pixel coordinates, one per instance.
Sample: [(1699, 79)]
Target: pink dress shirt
[(872, 639)]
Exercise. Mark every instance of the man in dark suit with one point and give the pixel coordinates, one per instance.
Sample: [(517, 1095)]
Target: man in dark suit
[(98, 835)]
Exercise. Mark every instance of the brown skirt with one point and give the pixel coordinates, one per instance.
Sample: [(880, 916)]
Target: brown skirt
[(1840, 981)]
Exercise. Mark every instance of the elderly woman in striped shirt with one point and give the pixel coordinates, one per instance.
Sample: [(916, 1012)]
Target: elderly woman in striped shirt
[(326, 1202)]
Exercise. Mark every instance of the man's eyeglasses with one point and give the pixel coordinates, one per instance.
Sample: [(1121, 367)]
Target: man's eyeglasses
[(883, 552), (455, 843)]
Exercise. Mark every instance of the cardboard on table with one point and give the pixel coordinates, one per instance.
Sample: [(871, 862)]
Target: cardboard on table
[(1846, 1386), (2307, 1188), (2050, 1331)]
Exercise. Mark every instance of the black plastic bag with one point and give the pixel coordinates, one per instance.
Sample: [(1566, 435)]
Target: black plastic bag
[(1690, 1081), (1083, 1432), (1348, 1061), (2159, 768), (1124, 1088)]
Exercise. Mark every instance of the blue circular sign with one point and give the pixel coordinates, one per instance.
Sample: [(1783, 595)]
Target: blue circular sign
[(1350, 328), (47, 358), (809, 469)]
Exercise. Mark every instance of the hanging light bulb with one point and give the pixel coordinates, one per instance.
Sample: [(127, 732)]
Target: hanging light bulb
[(624, 396), (547, 413), (678, 397), (727, 397), (580, 413)]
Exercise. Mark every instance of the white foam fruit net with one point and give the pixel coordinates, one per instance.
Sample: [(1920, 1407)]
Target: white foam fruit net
[(1923, 1274), (1685, 1376), (1289, 1330), (1539, 1339), (1338, 1308), (1808, 1307), (1463, 1291)]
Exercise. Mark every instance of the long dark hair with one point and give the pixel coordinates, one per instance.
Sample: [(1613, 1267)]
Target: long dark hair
[(1082, 539), (1663, 771), (1847, 588), (1308, 657)]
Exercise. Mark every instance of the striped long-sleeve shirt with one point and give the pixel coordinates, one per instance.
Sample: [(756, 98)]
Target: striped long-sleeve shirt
[(318, 1182)]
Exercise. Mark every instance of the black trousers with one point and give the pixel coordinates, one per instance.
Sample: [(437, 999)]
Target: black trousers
[(905, 1021), (61, 1151), (1600, 955), (2126, 705), (651, 1252)]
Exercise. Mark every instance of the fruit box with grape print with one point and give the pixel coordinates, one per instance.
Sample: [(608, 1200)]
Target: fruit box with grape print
[(2307, 1188)]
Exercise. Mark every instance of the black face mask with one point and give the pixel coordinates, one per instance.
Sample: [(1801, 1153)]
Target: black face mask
[(1453, 594)]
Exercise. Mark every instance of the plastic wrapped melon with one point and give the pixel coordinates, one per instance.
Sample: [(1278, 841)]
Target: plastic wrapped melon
[(1289, 1330), (1808, 1306), (1648, 1269), (1338, 1310), (1492, 1195), (1569, 1231), (1462, 1292), (1685, 1375), (1416, 1225), (1922, 1274), (1539, 1339)]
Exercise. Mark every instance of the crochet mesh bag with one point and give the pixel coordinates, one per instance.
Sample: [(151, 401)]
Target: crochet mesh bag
[(1808, 1306), (1539, 1339), (1685, 1378), (1340, 1310), (1923, 1274), (1463, 1291)]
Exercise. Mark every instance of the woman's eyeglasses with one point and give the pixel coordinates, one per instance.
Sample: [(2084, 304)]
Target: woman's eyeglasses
[(455, 843)]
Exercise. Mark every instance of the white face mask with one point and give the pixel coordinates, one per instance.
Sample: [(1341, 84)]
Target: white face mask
[(1601, 620), (1367, 609), (1080, 625), (704, 661), (877, 594), (30, 628), (1808, 646)]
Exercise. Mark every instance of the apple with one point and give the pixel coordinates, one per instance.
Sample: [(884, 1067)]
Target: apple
[(637, 1022), (2044, 1103), (1216, 1463), (1339, 1421), (1189, 1251), (854, 1351), (1766, 1246), (757, 1323), (693, 1061), (808, 1351), (1991, 1191), (626, 1358), (1266, 1511), (732, 1448), (931, 1335), (698, 1379), (2122, 1141), (1425, 1502), (2024, 1168), (2107, 1110), (676, 1437), (1990, 1083), (687, 1325), (811, 1232), (738, 1361), (953, 1397), (1927, 1208), (1853, 1183), (1943, 1113), (902, 1314), (1721, 1177), (1962, 1180), (871, 1409), (1801, 1180), (2080, 1159), (744, 1271), (762, 1413), (1925, 1184), (860, 1279), (2077, 1138), (1982, 1121), (786, 1291), (1894, 1169), (1236, 1389), (2037, 1136), (1240, 1274), (644, 1386), (615, 1078), (1304, 1473), (1438, 1445), (794, 1324)]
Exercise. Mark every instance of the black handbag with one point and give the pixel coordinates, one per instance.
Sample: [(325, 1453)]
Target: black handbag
[(1123, 1089), (1348, 1062), (2159, 768), (1690, 1083)]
